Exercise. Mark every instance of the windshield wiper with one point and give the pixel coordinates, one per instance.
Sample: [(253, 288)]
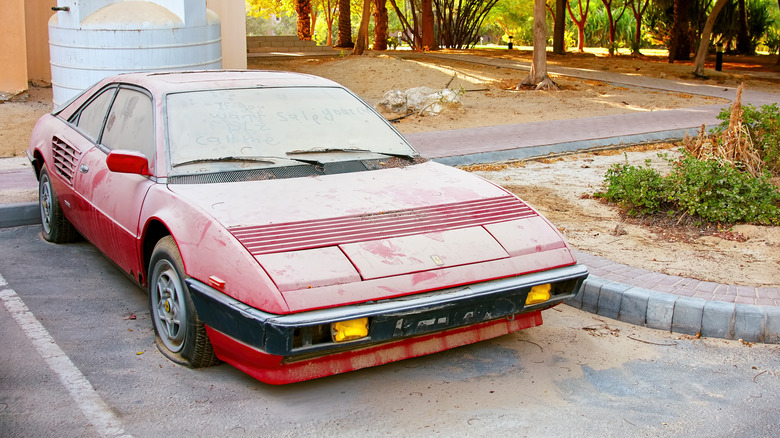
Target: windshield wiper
[(326, 150), (355, 150), (266, 160)]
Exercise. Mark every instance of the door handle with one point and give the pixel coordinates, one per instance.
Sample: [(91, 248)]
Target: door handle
[(84, 168)]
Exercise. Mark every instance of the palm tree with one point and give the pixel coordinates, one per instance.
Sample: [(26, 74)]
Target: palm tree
[(344, 39), (303, 9)]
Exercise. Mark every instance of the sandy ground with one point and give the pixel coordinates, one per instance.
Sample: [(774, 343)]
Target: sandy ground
[(560, 188)]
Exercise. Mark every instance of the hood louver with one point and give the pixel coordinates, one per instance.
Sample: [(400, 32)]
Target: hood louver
[(294, 236)]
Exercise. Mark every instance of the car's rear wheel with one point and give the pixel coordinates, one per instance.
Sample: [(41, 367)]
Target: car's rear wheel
[(55, 227), (180, 334)]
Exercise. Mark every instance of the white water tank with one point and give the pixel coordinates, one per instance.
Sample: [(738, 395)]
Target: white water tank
[(92, 39)]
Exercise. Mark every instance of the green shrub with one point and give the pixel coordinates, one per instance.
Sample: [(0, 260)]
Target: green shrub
[(717, 192), (711, 190), (639, 190)]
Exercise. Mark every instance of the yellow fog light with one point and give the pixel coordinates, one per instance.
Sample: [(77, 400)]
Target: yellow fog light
[(349, 330), (539, 294)]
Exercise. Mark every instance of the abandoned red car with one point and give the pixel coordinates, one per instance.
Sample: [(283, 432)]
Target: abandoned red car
[(281, 225)]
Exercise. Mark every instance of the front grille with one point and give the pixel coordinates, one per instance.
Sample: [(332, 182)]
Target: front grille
[(246, 175)]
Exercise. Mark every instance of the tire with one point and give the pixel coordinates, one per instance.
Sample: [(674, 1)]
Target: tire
[(180, 334), (55, 227)]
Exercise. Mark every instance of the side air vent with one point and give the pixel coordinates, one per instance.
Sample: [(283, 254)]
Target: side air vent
[(65, 159)]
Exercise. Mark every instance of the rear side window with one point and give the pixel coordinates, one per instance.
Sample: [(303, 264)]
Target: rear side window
[(130, 123), (90, 119)]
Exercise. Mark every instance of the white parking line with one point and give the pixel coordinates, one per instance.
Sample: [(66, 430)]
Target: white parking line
[(81, 391)]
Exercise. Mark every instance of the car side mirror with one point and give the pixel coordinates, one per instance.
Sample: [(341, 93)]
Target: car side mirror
[(128, 162)]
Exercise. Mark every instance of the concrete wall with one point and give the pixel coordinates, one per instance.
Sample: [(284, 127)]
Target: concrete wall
[(24, 47)]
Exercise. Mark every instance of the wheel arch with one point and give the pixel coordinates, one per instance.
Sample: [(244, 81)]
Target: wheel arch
[(37, 162), (155, 230)]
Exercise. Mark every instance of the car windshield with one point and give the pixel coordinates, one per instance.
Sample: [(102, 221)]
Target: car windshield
[(212, 130)]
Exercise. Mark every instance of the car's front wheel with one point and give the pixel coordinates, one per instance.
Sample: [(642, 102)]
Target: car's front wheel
[(55, 227), (181, 335)]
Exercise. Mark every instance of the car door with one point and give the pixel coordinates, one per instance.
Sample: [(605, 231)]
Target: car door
[(69, 147), (113, 200)]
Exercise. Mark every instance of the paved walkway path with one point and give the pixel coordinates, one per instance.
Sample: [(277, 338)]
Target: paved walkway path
[(613, 290)]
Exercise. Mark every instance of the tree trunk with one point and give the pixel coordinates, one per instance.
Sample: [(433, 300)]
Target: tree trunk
[(313, 15), (303, 9), (580, 23), (361, 42), (639, 10), (743, 40), (538, 75), (612, 23), (410, 29), (329, 10), (680, 42), (428, 39), (380, 25), (559, 31), (344, 39), (704, 44)]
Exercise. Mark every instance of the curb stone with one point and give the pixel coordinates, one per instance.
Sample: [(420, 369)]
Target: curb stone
[(15, 215), (678, 314)]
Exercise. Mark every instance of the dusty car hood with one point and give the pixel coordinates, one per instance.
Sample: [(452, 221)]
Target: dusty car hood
[(279, 201), (316, 232)]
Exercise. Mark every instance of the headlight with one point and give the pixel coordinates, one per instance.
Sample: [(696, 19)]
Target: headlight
[(349, 330), (538, 294)]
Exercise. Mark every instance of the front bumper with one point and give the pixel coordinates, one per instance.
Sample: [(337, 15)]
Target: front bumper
[(294, 336)]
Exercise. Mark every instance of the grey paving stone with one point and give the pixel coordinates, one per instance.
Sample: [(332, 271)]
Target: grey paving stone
[(706, 286), (718, 320), (633, 306), (746, 291), (745, 300), (687, 317), (749, 323), (772, 327), (591, 290), (660, 309), (609, 299)]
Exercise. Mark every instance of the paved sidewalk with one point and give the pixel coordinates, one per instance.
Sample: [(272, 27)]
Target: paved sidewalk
[(613, 290)]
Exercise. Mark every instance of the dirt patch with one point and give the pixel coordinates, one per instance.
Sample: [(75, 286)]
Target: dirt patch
[(560, 188), (17, 119)]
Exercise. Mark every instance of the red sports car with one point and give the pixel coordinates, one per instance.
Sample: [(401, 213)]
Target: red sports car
[(283, 226)]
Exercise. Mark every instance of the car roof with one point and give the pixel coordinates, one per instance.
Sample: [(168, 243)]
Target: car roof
[(173, 81)]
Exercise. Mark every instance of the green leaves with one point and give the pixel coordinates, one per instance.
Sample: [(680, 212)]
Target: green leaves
[(712, 190)]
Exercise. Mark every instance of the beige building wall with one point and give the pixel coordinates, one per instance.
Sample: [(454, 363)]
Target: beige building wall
[(24, 47), (232, 15), (37, 16), (13, 54)]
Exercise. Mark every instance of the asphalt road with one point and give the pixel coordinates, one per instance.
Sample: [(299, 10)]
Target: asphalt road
[(77, 358)]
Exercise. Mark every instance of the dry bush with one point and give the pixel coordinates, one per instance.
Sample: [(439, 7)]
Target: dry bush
[(734, 145)]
